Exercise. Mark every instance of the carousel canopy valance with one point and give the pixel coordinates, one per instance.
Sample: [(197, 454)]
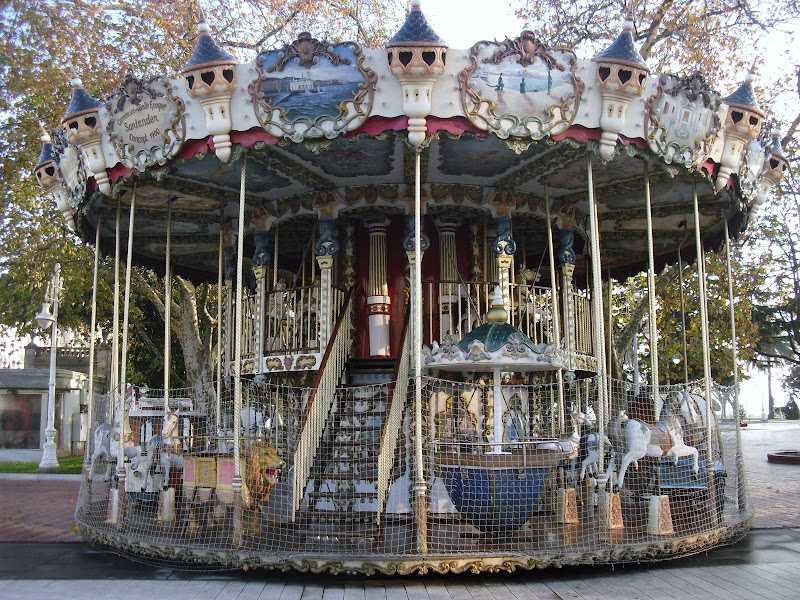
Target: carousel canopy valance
[(324, 128)]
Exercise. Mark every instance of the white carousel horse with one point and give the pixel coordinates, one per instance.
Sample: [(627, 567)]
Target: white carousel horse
[(106, 441), (633, 440), (106, 445), (171, 450), (589, 447), (168, 448), (568, 444)]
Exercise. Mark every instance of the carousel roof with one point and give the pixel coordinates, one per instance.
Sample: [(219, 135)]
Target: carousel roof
[(744, 95), (415, 30), (206, 51), (324, 127), (80, 101), (623, 49)]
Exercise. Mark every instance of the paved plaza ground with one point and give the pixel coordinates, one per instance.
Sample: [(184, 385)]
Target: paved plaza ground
[(42, 557)]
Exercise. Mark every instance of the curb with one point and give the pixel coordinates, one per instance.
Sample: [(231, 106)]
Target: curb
[(39, 477)]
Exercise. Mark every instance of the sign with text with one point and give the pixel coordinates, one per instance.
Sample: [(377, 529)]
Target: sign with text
[(146, 123)]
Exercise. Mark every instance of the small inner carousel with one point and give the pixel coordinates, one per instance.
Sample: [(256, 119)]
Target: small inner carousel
[(410, 244)]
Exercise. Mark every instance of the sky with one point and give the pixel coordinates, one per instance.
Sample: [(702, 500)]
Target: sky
[(456, 24)]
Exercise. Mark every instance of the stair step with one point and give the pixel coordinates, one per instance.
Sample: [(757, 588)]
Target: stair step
[(346, 477), (322, 517), (360, 427), (374, 363), (344, 495)]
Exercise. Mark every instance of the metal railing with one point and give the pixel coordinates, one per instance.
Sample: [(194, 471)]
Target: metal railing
[(320, 401), (394, 418), (456, 308)]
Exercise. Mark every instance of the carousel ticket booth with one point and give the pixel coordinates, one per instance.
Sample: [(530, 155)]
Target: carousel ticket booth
[(409, 246)]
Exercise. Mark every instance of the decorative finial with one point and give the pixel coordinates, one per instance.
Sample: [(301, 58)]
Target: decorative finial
[(44, 137), (202, 25), (751, 74), (75, 81), (497, 313)]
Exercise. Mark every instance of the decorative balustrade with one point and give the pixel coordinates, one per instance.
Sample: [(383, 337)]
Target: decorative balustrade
[(285, 323), (456, 308), (394, 418), (321, 400)]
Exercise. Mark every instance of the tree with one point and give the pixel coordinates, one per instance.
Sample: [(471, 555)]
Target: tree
[(778, 315), (631, 313), (713, 36), (43, 42)]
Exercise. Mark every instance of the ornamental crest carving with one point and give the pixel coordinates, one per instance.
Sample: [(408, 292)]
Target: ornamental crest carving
[(312, 89), (682, 119), (146, 123), (520, 88), (69, 162)]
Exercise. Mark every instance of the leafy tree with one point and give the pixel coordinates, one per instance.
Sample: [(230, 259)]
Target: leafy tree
[(713, 36), (43, 42)]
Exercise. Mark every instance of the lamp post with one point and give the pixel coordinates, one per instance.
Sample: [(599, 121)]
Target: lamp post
[(48, 317), (676, 360)]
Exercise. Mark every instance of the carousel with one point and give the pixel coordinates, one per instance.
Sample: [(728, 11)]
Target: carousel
[(408, 247)]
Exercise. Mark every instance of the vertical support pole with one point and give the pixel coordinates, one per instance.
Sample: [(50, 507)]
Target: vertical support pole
[(554, 306), (683, 315), (651, 297), (113, 494), (598, 340), (93, 330), (220, 300), (326, 247), (167, 494), (168, 308), (260, 273), (420, 485), (124, 425), (701, 284), (325, 271), (237, 367)]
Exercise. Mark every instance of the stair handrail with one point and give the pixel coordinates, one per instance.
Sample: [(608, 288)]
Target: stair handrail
[(394, 417), (323, 393)]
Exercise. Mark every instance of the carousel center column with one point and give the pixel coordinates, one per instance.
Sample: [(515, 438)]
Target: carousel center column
[(261, 260), (378, 302), (504, 245), (327, 245), (565, 258)]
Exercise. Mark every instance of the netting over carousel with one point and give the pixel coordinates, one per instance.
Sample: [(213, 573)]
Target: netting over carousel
[(369, 415)]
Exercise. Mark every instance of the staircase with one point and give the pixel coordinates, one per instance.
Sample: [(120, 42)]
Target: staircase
[(342, 493)]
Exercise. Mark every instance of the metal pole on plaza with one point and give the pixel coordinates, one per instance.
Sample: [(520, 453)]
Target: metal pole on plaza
[(49, 318)]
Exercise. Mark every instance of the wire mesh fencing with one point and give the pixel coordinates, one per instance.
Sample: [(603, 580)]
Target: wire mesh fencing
[(515, 473)]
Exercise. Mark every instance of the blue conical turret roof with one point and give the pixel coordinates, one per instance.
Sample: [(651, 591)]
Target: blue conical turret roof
[(81, 101), (206, 51), (416, 31), (623, 50), (744, 96)]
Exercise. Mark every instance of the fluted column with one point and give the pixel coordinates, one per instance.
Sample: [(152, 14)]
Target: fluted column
[(378, 302), (448, 271)]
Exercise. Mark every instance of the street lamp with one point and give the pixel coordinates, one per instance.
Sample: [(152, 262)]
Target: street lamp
[(48, 317)]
